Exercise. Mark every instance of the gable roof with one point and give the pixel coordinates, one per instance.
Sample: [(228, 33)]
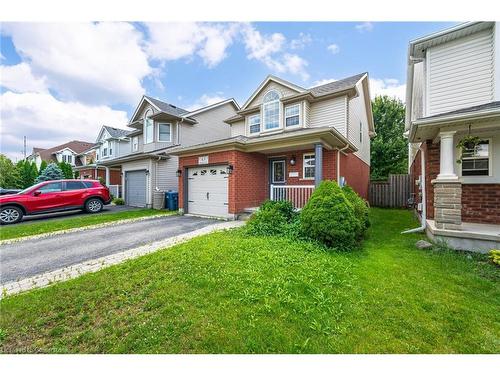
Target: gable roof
[(278, 80), (116, 132), (336, 86), (166, 107), (215, 105), (49, 154)]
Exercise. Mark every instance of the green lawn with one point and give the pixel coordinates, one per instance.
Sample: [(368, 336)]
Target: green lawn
[(42, 226), (226, 293)]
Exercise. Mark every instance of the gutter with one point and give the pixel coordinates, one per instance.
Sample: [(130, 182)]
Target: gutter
[(423, 219)]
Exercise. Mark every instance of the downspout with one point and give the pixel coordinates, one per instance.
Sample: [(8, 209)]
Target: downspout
[(341, 150), (423, 220)]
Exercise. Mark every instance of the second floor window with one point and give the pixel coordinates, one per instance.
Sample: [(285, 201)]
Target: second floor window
[(105, 151), (292, 115), (164, 134), (135, 144), (254, 123), (148, 128), (271, 110), (67, 159), (476, 162)]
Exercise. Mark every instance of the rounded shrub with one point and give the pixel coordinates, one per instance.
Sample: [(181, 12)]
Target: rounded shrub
[(360, 209), (272, 218), (119, 201), (284, 207), (328, 217)]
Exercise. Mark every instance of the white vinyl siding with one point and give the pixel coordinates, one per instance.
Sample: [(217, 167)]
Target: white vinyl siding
[(460, 73), (165, 177), (330, 112), (357, 131), (283, 91), (238, 128)]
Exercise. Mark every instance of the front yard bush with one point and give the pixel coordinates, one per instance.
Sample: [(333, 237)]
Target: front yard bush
[(360, 209), (272, 218), (495, 257), (119, 201), (328, 217)]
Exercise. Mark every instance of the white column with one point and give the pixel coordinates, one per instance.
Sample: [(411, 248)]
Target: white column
[(107, 176), (447, 157)]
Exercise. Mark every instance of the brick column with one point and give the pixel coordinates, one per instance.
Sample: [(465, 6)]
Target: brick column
[(447, 204)]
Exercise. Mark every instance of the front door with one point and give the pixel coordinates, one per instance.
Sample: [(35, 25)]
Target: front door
[(278, 171)]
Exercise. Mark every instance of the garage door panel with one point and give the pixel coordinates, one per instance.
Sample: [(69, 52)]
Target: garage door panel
[(208, 191), (135, 188)]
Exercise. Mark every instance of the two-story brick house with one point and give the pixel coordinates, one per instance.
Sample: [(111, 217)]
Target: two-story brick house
[(148, 166), (453, 93), (283, 141), (68, 152)]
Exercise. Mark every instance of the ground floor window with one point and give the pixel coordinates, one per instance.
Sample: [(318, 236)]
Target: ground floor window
[(309, 166), (476, 161)]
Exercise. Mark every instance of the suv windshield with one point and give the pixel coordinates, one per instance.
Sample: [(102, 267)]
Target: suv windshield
[(29, 188)]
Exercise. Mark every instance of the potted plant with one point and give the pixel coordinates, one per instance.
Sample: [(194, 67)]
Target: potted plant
[(468, 142)]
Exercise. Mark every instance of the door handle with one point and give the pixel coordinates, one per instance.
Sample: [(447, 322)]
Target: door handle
[(208, 195)]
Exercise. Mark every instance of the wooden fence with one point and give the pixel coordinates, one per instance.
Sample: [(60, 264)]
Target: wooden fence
[(394, 192)]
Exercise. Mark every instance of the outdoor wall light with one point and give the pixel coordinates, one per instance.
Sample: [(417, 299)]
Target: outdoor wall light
[(229, 169), (293, 160), (178, 173), (147, 172)]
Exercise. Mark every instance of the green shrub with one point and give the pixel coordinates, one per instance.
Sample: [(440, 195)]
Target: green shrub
[(328, 217), (268, 222), (119, 201), (360, 209), (495, 257), (284, 207)]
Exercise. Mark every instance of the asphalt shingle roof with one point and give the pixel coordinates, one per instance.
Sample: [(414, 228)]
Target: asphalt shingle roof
[(336, 86), (463, 111), (167, 108), (117, 132)]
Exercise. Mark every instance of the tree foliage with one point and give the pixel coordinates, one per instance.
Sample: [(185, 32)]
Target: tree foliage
[(9, 174), (389, 149), (66, 169), (43, 165), (28, 173), (52, 172)]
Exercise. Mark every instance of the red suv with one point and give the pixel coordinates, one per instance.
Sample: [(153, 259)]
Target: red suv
[(54, 196)]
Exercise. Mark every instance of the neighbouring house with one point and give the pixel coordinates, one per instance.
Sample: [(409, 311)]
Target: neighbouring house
[(453, 94), (111, 143), (69, 152), (283, 142), (148, 167)]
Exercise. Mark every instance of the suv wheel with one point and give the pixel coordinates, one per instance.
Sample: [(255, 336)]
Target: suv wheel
[(10, 215), (94, 205)]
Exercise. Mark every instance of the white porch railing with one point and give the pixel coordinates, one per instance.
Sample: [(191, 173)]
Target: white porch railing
[(116, 190), (297, 194)]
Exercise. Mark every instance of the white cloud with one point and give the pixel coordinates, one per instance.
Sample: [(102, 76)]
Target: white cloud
[(388, 86), (206, 100), (302, 41), (90, 62), (269, 49), (47, 121), (19, 78), (323, 82), (333, 48), (172, 41), (365, 26)]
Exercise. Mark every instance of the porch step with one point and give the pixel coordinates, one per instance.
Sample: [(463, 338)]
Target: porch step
[(247, 213)]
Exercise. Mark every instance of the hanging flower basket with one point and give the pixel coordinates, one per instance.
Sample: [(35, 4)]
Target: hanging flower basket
[(467, 143)]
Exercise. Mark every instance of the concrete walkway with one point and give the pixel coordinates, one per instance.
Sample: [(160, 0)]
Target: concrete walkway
[(21, 260)]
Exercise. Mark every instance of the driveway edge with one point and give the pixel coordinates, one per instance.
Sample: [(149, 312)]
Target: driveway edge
[(81, 229), (94, 265)]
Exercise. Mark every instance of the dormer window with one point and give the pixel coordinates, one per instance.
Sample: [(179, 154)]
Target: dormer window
[(148, 127), (271, 110), (292, 115)]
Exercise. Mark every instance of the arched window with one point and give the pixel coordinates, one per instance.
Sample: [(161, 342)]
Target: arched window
[(271, 110), (148, 127)]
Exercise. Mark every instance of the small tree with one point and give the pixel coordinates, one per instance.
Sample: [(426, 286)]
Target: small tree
[(43, 165), (28, 173), (66, 169), (9, 174), (52, 172)]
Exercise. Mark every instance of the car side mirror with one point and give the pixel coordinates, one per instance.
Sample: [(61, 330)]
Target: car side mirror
[(37, 193)]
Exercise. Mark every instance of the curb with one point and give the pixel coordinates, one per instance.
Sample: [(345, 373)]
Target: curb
[(81, 229), (94, 265)]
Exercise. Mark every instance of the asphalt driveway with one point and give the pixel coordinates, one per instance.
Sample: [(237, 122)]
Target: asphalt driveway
[(33, 257)]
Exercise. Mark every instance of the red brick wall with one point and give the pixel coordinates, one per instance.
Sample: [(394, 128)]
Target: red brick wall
[(356, 173), (114, 176), (481, 203)]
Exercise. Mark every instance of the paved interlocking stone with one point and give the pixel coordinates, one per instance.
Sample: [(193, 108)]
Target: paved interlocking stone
[(96, 264)]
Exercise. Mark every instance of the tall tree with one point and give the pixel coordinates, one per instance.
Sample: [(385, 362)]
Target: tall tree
[(389, 148), (28, 172), (52, 172), (43, 165), (66, 169), (9, 174)]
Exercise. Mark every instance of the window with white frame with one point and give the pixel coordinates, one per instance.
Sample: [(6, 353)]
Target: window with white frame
[(135, 143), (148, 127), (309, 166), (104, 149), (254, 124), (476, 161), (271, 110), (292, 115), (164, 132)]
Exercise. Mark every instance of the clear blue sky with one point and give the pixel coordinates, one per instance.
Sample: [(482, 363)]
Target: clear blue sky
[(62, 82)]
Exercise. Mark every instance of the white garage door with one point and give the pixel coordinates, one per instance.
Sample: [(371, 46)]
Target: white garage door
[(135, 188), (207, 191)]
